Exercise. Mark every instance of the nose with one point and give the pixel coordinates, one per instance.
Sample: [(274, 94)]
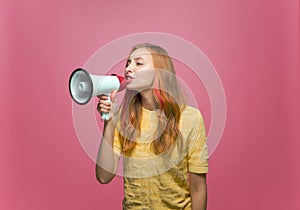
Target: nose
[(128, 69)]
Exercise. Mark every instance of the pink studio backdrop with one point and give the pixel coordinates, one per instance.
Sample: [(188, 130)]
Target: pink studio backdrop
[(254, 46)]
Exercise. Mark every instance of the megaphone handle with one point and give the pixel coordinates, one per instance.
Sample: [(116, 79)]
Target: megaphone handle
[(105, 116)]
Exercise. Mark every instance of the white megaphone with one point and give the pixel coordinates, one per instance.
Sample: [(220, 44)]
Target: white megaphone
[(83, 86)]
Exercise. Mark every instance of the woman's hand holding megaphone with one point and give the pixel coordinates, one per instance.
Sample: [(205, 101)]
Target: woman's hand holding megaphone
[(106, 105)]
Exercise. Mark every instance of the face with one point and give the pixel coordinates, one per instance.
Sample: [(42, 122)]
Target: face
[(139, 72)]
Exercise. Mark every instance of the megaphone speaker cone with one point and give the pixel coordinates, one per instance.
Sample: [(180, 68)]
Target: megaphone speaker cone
[(81, 86)]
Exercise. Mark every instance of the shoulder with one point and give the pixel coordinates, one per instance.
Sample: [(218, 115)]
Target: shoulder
[(191, 118), (192, 113)]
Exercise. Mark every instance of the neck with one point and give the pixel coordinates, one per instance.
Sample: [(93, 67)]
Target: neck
[(148, 99)]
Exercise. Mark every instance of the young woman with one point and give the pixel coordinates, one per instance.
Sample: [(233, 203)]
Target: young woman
[(162, 140)]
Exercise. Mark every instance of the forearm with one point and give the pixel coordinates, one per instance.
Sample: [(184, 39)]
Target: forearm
[(198, 191), (199, 199), (106, 160)]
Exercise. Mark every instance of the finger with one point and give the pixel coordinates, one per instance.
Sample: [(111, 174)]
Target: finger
[(104, 106), (103, 97), (112, 95), (103, 110), (105, 102)]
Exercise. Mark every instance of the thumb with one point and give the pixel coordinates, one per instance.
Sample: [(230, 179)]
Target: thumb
[(113, 94)]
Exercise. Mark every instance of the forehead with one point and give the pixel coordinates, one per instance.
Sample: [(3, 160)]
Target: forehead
[(140, 52)]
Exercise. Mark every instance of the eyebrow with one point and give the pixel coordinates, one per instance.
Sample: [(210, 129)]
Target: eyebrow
[(136, 58)]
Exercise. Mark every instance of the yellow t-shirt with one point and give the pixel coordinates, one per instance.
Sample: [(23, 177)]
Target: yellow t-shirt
[(161, 181)]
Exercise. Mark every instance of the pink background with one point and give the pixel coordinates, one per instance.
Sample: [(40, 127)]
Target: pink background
[(254, 46)]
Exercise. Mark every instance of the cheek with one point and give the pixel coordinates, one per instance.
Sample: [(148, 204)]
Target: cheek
[(146, 76)]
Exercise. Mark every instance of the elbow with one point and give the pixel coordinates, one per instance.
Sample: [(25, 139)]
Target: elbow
[(102, 180), (103, 177)]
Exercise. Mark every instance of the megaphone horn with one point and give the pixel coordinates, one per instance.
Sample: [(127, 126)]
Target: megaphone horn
[(83, 86)]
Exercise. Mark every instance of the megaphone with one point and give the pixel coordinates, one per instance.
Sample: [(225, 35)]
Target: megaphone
[(83, 86)]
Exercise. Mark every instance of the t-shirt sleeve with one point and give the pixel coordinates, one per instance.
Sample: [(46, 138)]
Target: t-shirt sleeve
[(197, 148), (117, 148)]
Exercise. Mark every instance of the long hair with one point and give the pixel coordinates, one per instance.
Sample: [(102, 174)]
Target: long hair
[(169, 101)]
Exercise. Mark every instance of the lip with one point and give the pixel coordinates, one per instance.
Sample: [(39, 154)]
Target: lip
[(129, 77)]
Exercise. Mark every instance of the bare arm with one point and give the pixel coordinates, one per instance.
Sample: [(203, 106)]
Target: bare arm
[(107, 160), (198, 191)]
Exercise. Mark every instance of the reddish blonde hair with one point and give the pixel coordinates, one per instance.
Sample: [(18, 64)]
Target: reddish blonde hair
[(169, 100)]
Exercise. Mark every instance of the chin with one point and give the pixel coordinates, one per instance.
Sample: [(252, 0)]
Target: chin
[(131, 88)]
